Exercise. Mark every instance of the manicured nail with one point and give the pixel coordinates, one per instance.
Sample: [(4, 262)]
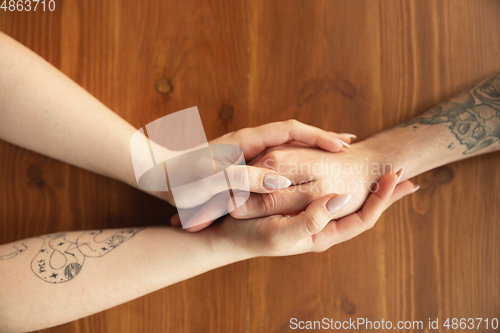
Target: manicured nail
[(337, 203), (352, 136), (175, 220), (343, 143), (399, 173), (415, 189), (276, 182)]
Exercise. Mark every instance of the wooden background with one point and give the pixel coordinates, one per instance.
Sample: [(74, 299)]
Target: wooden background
[(348, 66)]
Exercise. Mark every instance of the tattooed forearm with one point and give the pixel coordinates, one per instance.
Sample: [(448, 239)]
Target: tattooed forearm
[(473, 116), (61, 259), (62, 255), (19, 248)]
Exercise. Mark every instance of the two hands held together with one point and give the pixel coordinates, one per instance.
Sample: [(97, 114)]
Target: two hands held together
[(310, 189), (305, 190)]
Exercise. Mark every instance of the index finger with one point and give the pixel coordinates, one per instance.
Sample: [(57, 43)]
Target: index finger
[(273, 134)]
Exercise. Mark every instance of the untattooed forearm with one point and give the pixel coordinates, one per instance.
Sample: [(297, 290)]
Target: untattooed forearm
[(42, 110)]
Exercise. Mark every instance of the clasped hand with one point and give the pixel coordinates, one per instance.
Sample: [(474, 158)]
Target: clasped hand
[(331, 192)]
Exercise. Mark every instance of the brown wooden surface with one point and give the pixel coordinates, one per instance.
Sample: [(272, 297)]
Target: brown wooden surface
[(347, 66)]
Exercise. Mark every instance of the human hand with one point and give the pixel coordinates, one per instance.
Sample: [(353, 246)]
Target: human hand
[(312, 230), (315, 173), (252, 142)]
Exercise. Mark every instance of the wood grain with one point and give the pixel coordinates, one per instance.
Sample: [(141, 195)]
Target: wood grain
[(118, 51), (440, 243), (318, 62), (348, 66)]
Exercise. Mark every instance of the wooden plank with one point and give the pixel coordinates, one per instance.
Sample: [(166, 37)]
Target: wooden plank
[(318, 62), (431, 255), (353, 66), (440, 241), (120, 51)]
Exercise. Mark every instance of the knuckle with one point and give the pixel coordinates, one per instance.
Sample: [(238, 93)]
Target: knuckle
[(312, 225), (239, 134), (240, 175), (270, 160), (310, 196), (370, 224), (366, 222), (277, 155), (273, 155), (268, 202), (293, 122)]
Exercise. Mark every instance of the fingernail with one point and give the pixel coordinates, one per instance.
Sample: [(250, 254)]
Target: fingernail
[(337, 203), (415, 189), (276, 182), (352, 136), (175, 220), (399, 173), (343, 143)]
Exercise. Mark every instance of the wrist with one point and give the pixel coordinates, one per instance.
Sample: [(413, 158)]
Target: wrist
[(224, 244), (397, 148)]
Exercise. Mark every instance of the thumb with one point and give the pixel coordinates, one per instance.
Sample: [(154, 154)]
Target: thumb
[(316, 216), (255, 179)]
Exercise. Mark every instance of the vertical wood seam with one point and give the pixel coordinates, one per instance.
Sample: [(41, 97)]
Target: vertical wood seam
[(247, 263)]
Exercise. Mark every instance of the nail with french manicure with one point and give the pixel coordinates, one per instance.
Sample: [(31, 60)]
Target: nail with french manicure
[(335, 204), (276, 182), (343, 143)]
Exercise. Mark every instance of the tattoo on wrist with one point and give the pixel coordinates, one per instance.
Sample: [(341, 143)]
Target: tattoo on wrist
[(473, 116), (60, 258)]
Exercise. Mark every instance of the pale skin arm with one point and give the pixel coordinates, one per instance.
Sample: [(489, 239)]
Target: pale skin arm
[(44, 111), (53, 279), (34, 295)]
